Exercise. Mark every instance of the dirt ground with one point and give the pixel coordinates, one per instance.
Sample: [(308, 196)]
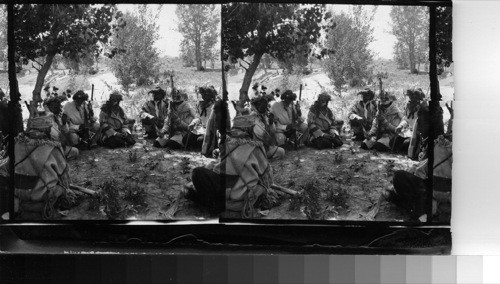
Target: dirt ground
[(143, 183)]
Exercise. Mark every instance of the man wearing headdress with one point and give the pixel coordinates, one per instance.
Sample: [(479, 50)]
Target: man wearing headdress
[(386, 127), (415, 103), (288, 119), (41, 172), (154, 112), (198, 126), (215, 131), (115, 125), (264, 129), (60, 132), (324, 130), (81, 121), (362, 114), (410, 187), (174, 134), (241, 180)]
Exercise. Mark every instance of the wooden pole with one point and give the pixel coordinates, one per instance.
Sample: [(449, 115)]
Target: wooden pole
[(433, 108)]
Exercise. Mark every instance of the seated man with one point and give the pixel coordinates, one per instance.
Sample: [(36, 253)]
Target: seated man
[(154, 112), (323, 128), (241, 181), (288, 120), (41, 173), (198, 126), (115, 126), (264, 129), (362, 115), (60, 130), (175, 133), (386, 128), (81, 121), (215, 135), (416, 101), (410, 187)]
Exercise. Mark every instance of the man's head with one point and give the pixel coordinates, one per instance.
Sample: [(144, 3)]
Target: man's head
[(54, 104), (40, 127), (324, 98), (158, 94), (115, 97), (207, 93), (415, 95), (366, 95), (179, 96), (79, 97), (387, 98), (243, 126), (288, 97), (261, 104)]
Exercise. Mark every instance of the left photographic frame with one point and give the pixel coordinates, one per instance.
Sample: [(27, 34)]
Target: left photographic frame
[(115, 101)]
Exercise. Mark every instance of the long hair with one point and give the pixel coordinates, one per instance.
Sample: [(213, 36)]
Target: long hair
[(108, 107), (317, 108)]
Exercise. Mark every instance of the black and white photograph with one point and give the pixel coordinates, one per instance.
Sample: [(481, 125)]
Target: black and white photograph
[(115, 102), (275, 113), (332, 112)]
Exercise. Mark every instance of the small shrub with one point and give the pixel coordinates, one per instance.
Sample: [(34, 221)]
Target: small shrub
[(338, 196), (135, 195), (110, 199), (132, 156), (312, 196), (338, 158)]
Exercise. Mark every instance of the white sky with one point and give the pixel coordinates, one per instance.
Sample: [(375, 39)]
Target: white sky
[(170, 40), (383, 42)]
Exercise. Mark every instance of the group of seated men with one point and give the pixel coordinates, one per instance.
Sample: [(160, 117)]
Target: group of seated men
[(257, 136), (253, 138)]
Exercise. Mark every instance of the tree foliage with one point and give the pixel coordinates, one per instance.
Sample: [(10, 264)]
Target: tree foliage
[(41, 31), (255, 29), (199, 25), (443, 36), (410, 26), (137, 60), (3, 33), (350, 39)]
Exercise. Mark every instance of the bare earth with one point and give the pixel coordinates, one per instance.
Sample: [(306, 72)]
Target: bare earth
[(348, 182)]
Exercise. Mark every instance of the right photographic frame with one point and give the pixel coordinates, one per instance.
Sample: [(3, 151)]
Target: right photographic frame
[(339, 113)]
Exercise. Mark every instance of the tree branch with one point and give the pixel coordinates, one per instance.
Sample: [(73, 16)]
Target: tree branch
[(243, 66), (37, 69), (36, 63)]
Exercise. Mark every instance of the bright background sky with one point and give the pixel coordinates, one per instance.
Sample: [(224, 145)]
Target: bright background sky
[(170, 39), (383, 42)]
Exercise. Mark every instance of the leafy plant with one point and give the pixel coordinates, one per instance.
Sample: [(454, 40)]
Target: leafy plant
[(136, 195), (338, 196), (312, 197), (132, 156), (111, 199)]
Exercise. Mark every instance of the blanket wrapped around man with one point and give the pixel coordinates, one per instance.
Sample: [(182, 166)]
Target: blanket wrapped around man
[(41, 177)]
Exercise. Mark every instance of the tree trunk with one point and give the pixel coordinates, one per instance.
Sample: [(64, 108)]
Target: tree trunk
[(247, 79), (412, 58), (37, 97), (197, 48)]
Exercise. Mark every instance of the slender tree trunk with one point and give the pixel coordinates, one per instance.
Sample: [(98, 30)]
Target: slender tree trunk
[(412, 58), (247, 79), (37, 97)]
